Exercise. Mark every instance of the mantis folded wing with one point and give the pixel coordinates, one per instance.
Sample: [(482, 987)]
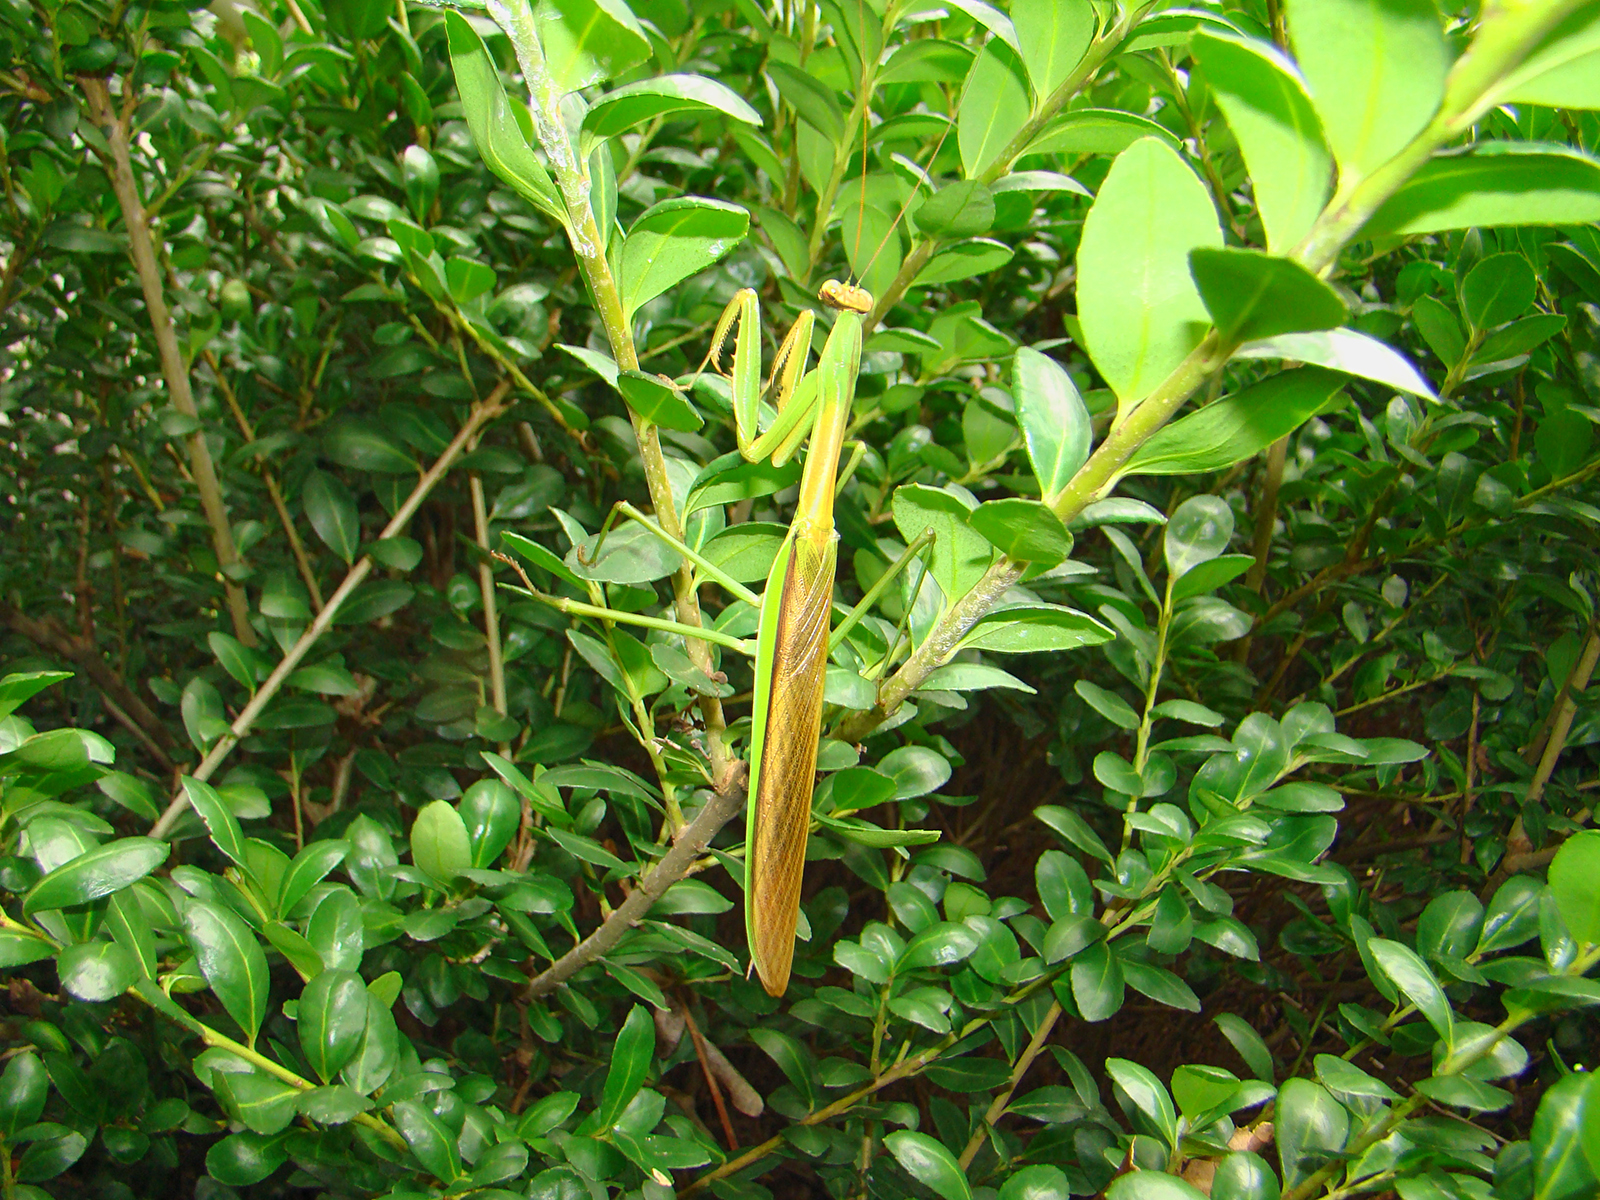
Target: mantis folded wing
[(792, 647)]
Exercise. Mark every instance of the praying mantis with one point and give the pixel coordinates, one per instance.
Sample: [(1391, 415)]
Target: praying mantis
[(794, 635)]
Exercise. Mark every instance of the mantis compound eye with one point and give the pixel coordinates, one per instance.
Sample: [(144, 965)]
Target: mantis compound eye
[(845, 296)]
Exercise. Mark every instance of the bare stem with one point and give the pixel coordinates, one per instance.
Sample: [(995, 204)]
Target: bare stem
[(173, 367)]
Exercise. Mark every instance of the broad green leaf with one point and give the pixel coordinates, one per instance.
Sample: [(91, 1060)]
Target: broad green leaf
[(929, 1163), (658, 402), (1097, 983), (792, 1059), (1563, 70), (1344, 350), (1248, 1043), (491, 813), (1498, 289), (1028, 629), (1376, 70), (1055, 423), (1038, 1182), (23, 1089), (585, 42), (1052, 36), (96, 971), (674, 240), (1023, 530), (631, 1055), (964, 259), (1198, 531), (439, 842), (960, 553), (262, 1103), (1096, 131), (1141, 1091), (813, 100), (231, 960), (1411, 975), (332, 1018), (1311, 1127), (218, 817), (1253, 295), (429, 1138), (1137, 305), (365, 446), (378, 1053), (1269, 110), (331, 509), (666, 95), (1237, 427), (1499, 183), (491, 118), (308, 869), (993, 108), (17, 687), (99, 872), (19, 948), (1575, 882), (1565, 1165), (1152, 1185), (961, 209), (1243, 1175)]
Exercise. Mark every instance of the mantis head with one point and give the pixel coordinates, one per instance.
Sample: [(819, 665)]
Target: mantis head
[(846, 296)]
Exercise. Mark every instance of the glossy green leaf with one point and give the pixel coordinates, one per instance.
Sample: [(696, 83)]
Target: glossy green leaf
[(672, 241), (631, 1055), (1311, 1127), (811, 99), (1252, 295), (1265, 100), (99, 872), (1344, 350), (231, 960), (1248, 1043), (308, 869), (439, 842), (1376, 70), (17, 687), (1052, 36), (429, 1138), (490, 116), (1097, 983), (96, 971), (1055, 423), (930, 1164), (1096, 131), (491, 813), (1564, 1158), (658, 401), (1498, 289), (1139, 309), (1243, 1175), (331, 1019), (1198, 531), (23, 1089), (1151, 1185), (1034, 628), (1237, 427), (218, 817), (331, 509), (1411, 975), (1563, 70), (993, 108), (1499, 183), (665, 96), (1023, 530), (1575, 883)]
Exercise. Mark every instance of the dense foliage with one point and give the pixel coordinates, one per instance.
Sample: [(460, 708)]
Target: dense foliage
[(1203, 783)]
